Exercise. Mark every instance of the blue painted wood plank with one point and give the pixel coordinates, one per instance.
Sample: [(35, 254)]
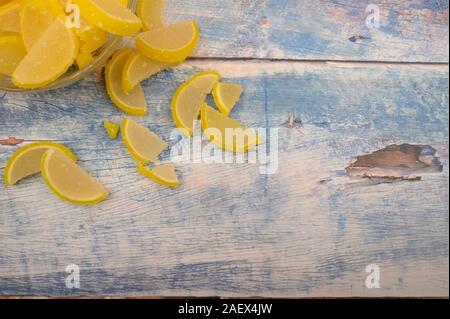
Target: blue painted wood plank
[(409, 31), (307, 230)]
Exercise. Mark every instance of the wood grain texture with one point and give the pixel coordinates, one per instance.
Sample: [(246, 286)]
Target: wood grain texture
[(410, 31), (307, 231)]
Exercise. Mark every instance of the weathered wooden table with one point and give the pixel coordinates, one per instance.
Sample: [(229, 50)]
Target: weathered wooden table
[(334, 87)]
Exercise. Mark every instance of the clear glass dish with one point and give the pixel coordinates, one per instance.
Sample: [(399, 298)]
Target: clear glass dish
[(74, 75)]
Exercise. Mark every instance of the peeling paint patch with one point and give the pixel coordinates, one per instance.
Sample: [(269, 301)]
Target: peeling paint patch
[(11, 141), (391, 179), (396, 163)]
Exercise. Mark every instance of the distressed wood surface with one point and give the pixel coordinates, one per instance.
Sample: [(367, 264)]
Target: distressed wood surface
[(410, 31), (309, 230)]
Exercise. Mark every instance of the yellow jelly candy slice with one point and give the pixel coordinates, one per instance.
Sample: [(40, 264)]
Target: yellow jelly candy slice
[(64, 3), (91, 37), (26, 161), (12, 51), (3, 2), (36, 16), (189, 97), (163, 174), (84, 59), (226, 95), (69, 181), (112, 129), (144, 145), (134, 102), (5, 33), (138, 68), (172, 44), (151, 13), (9, 16), (225, 132), (110, 16), (49, 58)]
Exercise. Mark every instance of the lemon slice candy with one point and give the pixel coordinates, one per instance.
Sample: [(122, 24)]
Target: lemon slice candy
[(91, 37), (64, 3), (138, 68), (110, 16), (6, 33), (134, 102), (189, 97), (35, 17), (162, 174), (226, 95), (26, 161), (84, 59), (12, 51), (69, 181), (9, 16), (112, 129), (49, 58), (151, 13), (144, 145), (172, 44), (215, 122)]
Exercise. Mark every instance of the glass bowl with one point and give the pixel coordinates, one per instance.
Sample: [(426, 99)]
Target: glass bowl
[(74, 74)]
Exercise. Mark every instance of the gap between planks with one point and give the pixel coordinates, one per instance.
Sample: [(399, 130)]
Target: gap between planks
[(359, 62)]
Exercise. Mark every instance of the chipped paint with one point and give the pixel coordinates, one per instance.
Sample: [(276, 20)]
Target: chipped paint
[(397, 163), (11, 141)]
